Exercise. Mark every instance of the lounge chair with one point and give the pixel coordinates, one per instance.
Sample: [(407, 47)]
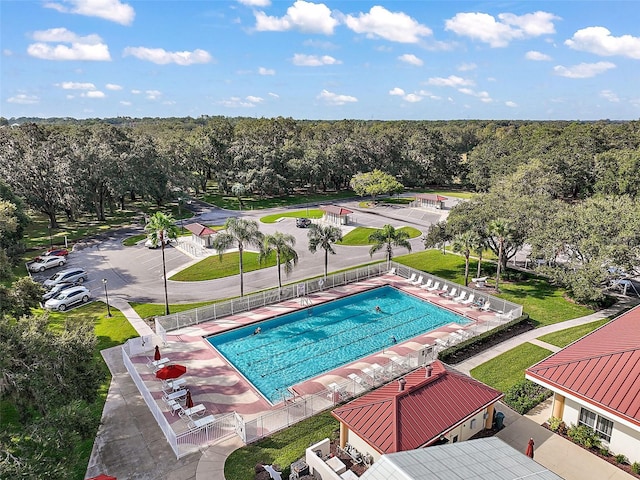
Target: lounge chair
[(442, 343), (392, 271), (179, 395), (195, 411), (469, 300), (436, 286), (452, 293), (418, 281), (156, 365), (202, 422), (506, 316), (355, 377), (427, 285), (411, 279), (174, 385), (463, 333), (460, 297)]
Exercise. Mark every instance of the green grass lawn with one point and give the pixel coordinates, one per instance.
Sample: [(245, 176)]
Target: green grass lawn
[(230, 202), (281, 448), (546, 304), (147, 310), (565, 337), (309, 213), (212, 267), (507, 369), (360, 235)]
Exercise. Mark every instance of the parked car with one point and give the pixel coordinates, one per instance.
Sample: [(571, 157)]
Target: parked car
[(149, 242), (68, 298), (56, 289), (40, 264), (56, 252), (303, 222), (66, 276)]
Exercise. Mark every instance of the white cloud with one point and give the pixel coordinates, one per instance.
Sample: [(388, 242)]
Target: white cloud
[(396, 91), (302, 60), (274, 95), (325, 45), (6, 52), (93, 94), (537, 56), (392, 26), (76, 86), (125, 103), (411, 59), (136, 92), (253, 99), (599, 40), (609, 95), (412, 98), (89, 47), (162, 57), (255, 3), (499, 32), (483, 96), (112, 10), (24, 99), (450, 81), (511, 104), (466, 67), (266, 71), (153, 94), (303, 16), (583, 70), (335, 99), (237, 102), (113, 86)]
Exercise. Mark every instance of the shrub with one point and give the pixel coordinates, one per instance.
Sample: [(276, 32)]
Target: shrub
[(583, 435), (557, 425), (635, 468), (620, 458), (604, 451), (525, 395)]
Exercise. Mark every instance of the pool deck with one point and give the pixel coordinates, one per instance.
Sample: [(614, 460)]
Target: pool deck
[(221, 389)]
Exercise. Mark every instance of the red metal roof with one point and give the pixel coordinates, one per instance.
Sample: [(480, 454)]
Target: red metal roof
[(431, 196), (391, 420), (335, 210), (199, 230), (602, 368)]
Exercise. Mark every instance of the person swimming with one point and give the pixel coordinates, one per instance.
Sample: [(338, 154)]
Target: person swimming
[(393, 339), (257, 331), (378, 309)]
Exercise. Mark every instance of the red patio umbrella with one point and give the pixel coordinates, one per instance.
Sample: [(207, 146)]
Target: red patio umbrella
[(171, 371), (102, 476), (529, 452), (156, 356), (188, 401)]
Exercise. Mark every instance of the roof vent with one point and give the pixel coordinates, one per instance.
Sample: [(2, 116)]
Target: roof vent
[(429, 370), (401, 383)]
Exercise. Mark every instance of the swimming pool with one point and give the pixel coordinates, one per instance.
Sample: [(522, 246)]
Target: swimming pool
[(297, 346)]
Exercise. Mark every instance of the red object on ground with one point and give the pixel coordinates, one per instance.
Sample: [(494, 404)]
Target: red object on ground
[(102, 476), (156, 356), (171, 371), (188, 401), (529, 452)]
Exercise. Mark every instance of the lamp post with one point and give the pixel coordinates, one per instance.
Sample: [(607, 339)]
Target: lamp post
[(106, 294)]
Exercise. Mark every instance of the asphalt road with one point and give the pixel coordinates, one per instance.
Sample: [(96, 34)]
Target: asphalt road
[(135, 273)]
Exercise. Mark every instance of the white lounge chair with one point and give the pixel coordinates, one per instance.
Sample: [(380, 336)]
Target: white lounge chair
[(418, 281), (179, 395), (485, 307), (355, 377), (176, 384), (463, 333), (460, 297), (451, 294), (442, 343), (202, 422), (156, 365), (469, 300), (195, 411), (392, 271), (411, 279), (506, 316), (435, 287), (427, 285)]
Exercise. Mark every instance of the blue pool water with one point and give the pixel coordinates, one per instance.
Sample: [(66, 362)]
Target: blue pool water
[(300, 345)]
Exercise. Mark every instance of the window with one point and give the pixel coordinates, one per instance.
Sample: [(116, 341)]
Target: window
[(602, 426), (473, 424)]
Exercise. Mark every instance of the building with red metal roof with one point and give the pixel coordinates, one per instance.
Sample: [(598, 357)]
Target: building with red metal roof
[(428, 406), (596, 382), (430, 200), (201, 234), (336, 214)]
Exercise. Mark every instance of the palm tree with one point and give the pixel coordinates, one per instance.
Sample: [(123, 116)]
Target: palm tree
[(241, 232), (388, 237), (501, 230), (465, 243), (479, 248), (162, 228), (324, 237), (282, 244)]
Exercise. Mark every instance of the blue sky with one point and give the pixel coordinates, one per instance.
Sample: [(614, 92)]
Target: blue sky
[(388, 60)]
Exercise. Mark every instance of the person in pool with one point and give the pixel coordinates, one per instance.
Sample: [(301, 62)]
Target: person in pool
[(378, 309), (257, 331), (393, 339)]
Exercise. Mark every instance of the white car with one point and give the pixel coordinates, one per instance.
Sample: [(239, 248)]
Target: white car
[(149, 242), (70, 275), (68, 298), (56, 289), (40, 264)]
